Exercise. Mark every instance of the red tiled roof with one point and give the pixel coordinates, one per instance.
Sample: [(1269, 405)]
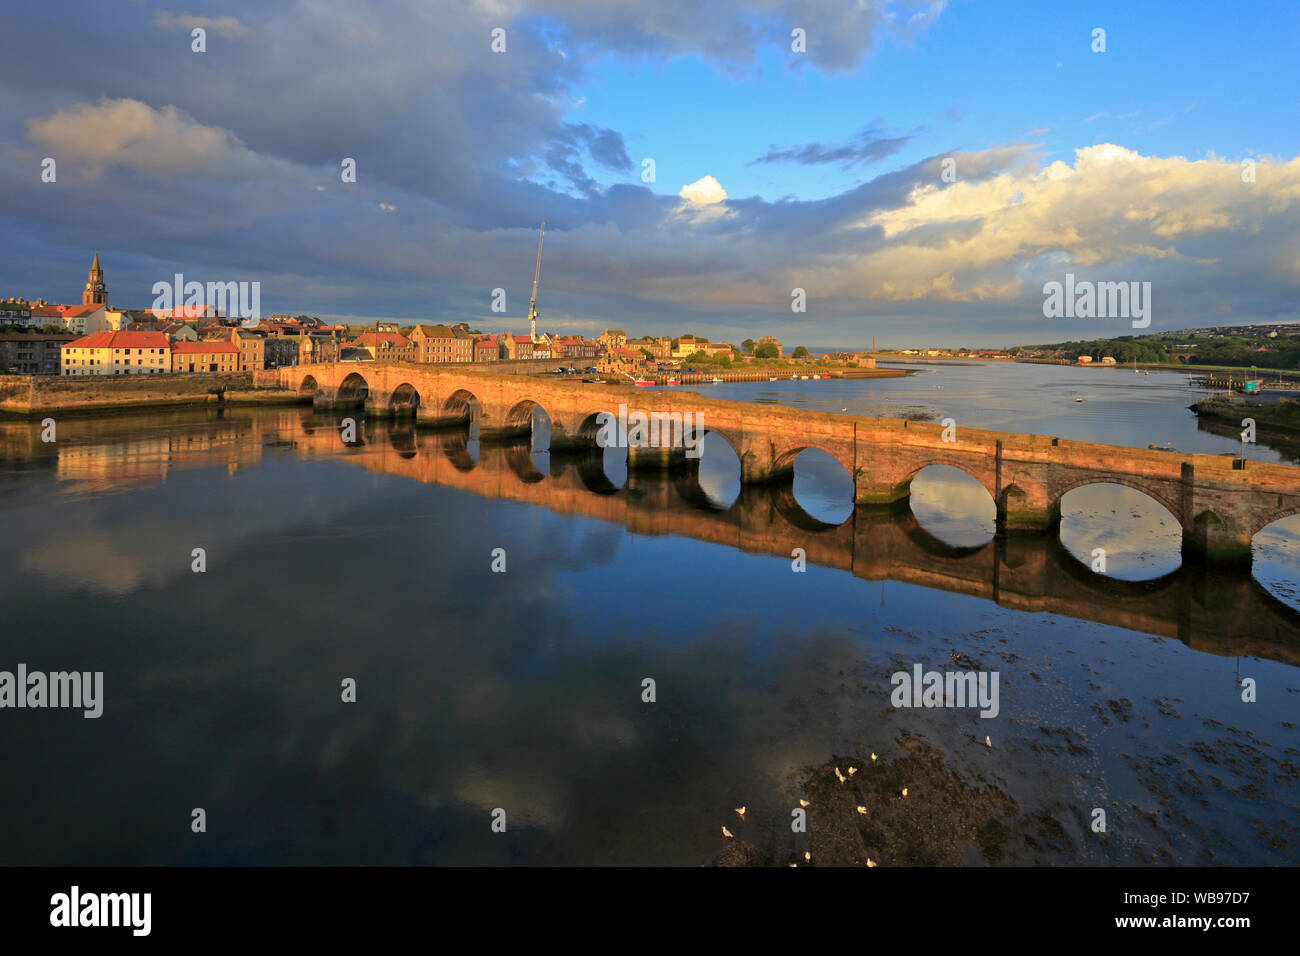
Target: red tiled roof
[(522, 338), (64, 311), (194, 348), (120, 340)]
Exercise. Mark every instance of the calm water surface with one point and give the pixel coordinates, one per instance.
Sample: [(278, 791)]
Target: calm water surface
[(523, 690)]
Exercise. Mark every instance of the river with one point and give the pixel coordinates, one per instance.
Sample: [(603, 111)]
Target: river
[(520, 694)]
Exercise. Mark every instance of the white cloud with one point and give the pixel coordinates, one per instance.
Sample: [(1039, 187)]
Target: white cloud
[(703, 192)]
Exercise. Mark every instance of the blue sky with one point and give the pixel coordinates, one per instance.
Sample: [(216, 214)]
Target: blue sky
[(224, 165)]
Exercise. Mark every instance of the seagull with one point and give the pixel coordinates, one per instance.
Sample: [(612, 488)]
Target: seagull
[(726, 833), (844, 409), (862, 810), (852, 771), (870, 862), (741, 811), (873, 758), (840, 775), (803, 802), (988, 743), (807, 857), (904, 791)]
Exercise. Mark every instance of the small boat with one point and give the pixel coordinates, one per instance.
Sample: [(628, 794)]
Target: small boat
[(804, 377), (672, 381), (642, 382), (716, 380), (1077, 399), (771, 378)]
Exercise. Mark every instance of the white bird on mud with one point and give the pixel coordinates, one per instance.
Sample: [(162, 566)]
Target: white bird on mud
[(988, 743), (803, 802), (870, 862), (807, 857), (840, 775), (904, 791), (726, 833), (741, 812), (862, 810), (852, 771), (873, 758)]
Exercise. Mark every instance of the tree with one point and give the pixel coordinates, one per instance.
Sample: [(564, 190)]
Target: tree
[(748, 346), (800, 352), (765, 351)]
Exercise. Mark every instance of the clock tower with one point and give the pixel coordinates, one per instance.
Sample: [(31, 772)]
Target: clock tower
[(95, 293)]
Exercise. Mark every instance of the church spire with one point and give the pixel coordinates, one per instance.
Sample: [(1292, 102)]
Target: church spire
[(95, 293)]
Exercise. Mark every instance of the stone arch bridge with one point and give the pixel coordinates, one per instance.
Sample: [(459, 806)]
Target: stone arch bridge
[(1220, 501)]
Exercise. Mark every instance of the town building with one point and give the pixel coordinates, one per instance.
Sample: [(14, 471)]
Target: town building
[(211, 355), (440, 343), (252, 349), (386, 346), (32, 353), (770, 340), (486, 349), (317, 348), (16, 312), (77, 319), (117, 353), (519, 346), (613, 339)]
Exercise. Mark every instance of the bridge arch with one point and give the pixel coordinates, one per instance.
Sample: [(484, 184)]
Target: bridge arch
[(719, 475), (461, 404), (1272, 517), (308, 385), (954, 507), (1124, 532), (785, 460), (824, 490), (916, 467), (352, 390), (1155, 494), (520, 414), (404, 400)]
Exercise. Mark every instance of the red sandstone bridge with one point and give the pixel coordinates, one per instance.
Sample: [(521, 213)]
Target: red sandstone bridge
[(1220, 501)]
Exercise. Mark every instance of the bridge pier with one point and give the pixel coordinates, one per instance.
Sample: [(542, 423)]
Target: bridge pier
[(1019, 512), (1210, 539), (655, 458)]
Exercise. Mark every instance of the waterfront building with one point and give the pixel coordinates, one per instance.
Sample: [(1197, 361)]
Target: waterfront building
[(771, 340), (486, 349), (316, 348), (213, 355), (117, 353), (386, 346), (440, 343), (32, 353)]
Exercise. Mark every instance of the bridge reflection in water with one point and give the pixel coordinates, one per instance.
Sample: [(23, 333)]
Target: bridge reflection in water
[(1217, 610)]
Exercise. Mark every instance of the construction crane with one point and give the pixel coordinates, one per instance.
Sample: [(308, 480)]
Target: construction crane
[(532, 305)]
